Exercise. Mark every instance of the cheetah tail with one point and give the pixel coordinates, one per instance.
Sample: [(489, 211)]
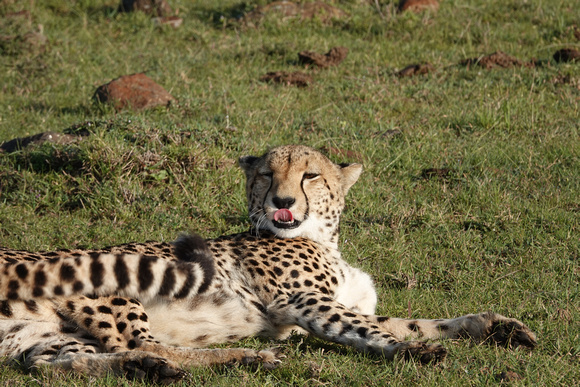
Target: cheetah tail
[(130, 275)]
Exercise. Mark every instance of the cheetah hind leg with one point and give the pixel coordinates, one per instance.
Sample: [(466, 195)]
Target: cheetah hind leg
[(485, 327)]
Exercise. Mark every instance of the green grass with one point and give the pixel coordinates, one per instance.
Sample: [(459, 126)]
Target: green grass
[(500, 232)]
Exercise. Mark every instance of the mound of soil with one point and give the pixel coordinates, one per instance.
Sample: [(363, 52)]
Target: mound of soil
[(497, 59), (567, 55), (137, 92), (40, 138), (289, 9), (416, 69), (295, 78), (332, 58), (418, 5)]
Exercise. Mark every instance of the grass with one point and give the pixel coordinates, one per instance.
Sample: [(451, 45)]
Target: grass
[(497, 230)]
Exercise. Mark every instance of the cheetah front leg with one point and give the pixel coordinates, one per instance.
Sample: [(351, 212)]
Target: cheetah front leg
[(483, 327), (328, 319)]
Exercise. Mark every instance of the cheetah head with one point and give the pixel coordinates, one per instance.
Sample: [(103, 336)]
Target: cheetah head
[(295, 191)]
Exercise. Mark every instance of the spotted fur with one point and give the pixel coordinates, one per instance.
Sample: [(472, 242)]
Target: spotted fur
[(287, 274)]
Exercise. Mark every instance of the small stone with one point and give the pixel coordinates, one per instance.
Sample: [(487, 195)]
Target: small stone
[(136, 91), (418, 5)]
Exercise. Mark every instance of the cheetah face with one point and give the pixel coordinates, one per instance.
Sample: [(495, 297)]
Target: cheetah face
[(295, 191)]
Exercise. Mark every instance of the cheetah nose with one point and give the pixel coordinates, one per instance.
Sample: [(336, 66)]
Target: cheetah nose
[(283, 202)]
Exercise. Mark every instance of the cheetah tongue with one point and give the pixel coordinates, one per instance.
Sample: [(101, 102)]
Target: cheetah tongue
[(283, 215)]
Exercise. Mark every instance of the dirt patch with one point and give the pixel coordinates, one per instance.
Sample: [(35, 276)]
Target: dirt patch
[(497, 59), (416, 69), (287, 78), (290, 9), (151, 7), (172, 21), (40, 138), (418, 5), (332, 58), (137, 92), (567, 55)]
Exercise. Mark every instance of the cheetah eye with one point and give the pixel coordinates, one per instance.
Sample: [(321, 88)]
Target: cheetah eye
[(310, 176), (267, 175)]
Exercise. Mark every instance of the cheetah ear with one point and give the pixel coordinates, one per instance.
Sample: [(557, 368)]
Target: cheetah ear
[(350, 174), (247, 162)]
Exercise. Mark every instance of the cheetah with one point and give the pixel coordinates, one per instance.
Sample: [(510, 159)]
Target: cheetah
[(286, 274)]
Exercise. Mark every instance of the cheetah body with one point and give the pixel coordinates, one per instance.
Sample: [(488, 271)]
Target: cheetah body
[(286, 274)]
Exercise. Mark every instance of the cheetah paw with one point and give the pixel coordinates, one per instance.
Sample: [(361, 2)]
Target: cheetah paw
[(268, 358), (511, 333), (153, 369), (424, 352)]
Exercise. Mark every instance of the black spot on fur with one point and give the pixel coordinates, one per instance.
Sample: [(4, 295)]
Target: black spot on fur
[(58, 291), (105, 309), (88, 321), (67, 273), (145, 275), (132, 316), (324, 308), (78, 286), (168, 282), (334, 318), (121, 326), (413, 326), (88, 310), (121, 272), (260, 307), (37, 292), (119, 301), (97, 273), (104, 325), (39, 278), (21, 271), (31, 306)]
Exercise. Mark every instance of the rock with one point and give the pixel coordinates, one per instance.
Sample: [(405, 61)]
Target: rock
[(416, 69), (40, 138), (418, 5), (136, 91), (331, 58), (152, 7), (296, 78), (567, 55)]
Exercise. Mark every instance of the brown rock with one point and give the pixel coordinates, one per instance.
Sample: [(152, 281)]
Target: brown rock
[(40, 138), (288, 9), (497, 59), (136, 91), (418, 5), (296, 78), (331, 58), (567, 55), (416, 69), (151, 7)]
